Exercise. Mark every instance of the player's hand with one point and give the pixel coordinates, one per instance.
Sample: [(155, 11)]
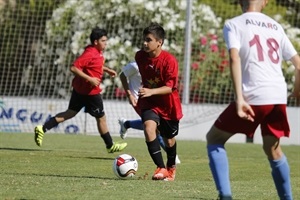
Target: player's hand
[(244, 110), (112, 73), (94, 81), (132, 100), (145, 92)]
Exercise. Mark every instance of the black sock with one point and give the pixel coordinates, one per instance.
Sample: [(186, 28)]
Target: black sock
[(155, 153), (171, 155), (107, 140), (127, 124), (50, 124)]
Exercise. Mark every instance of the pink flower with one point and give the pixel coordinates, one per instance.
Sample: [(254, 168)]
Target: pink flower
[(195, 66), (203, 41), (223, 65), (213, 36), (214, 48)]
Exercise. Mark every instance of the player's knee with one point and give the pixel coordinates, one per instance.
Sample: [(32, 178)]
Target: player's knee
[(68, 114), (170, 142), (271, 147), (273, 153)]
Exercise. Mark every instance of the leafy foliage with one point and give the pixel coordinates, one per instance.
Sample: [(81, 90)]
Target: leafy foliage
[(69, 28), (59, 31), (210, 77), (21, 25)]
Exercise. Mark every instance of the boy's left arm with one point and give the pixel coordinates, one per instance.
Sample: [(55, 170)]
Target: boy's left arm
[(163, 90), (147, 92), (296, 92)]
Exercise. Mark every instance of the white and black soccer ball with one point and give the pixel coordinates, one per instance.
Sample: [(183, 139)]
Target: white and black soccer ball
[(125, 166)]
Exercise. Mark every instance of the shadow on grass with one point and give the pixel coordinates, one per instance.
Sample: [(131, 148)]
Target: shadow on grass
[(93, 158), (62, 176), (186, 197), (20, 149)]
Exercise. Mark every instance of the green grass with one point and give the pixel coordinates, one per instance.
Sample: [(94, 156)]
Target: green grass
[(78, 167)]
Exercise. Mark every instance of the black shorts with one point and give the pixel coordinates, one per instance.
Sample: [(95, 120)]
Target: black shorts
[(93, 104), (167, 128)]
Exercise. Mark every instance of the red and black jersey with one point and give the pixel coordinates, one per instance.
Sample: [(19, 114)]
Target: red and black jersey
[(157, 72), (91, 62)]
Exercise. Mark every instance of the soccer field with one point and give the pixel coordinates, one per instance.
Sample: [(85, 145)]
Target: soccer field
[(78, 167)]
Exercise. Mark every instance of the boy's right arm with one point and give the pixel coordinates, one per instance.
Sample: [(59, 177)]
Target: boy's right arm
[(130, 97), (124, 82), (92, 80), (244, 110)]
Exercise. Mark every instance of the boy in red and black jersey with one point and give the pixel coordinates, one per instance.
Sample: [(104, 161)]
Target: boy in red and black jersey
[(88, 69), (159, 99)]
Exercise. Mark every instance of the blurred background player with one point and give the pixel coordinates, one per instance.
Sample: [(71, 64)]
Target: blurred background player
[(131, 82), (257, 45), (88, 69), (159, 100)]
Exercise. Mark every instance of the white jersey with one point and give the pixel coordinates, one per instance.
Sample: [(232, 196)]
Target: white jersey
[(131, 71), (262, 45)]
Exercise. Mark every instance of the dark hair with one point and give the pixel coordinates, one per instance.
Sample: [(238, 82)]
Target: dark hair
[(97, 33), (156, 30)]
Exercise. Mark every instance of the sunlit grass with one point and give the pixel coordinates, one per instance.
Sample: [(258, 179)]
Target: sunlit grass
[(78, 167)]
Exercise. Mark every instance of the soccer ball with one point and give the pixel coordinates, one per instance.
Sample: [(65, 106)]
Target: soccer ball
[(125, 166)]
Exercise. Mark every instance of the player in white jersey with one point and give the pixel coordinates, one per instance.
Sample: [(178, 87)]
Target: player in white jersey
[(257, 45), (131, 81)]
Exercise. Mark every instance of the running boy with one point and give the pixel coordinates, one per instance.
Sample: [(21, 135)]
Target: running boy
[(88, 70)]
